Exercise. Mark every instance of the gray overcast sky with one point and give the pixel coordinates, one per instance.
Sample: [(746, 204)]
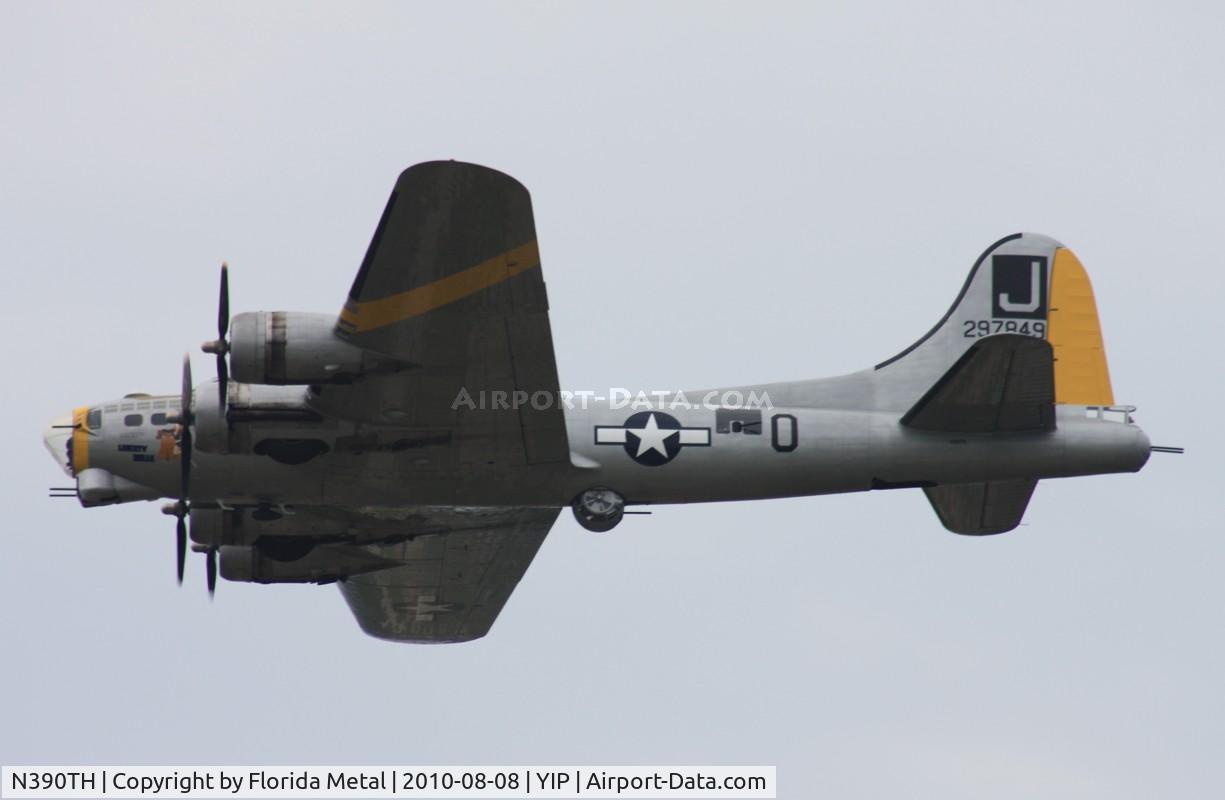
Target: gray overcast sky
[(724, 194)]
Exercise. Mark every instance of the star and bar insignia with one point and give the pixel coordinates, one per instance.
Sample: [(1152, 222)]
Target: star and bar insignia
[(652, 438)]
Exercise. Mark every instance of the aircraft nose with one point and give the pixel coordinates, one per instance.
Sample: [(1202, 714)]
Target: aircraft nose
[(56, 436)]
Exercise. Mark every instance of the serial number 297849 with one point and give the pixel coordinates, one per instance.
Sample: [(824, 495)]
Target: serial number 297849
[(974, 328)]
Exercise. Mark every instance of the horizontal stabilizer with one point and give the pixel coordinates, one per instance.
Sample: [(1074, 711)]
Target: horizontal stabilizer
[(979, 509), (1001, 383)]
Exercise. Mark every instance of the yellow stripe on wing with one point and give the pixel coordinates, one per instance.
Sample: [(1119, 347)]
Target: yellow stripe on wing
[(359, 317)]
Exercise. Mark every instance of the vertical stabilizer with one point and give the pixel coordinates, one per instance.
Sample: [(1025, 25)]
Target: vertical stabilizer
[(1024, 285)]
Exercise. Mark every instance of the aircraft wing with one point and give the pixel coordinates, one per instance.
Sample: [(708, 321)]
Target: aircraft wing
[(450, 587), (451, 290)]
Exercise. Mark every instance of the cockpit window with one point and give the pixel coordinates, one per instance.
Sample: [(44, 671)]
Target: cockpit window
[(133, 420), (93, 420)]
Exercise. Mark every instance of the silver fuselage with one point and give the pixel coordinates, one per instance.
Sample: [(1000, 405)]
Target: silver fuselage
[(795, 450)]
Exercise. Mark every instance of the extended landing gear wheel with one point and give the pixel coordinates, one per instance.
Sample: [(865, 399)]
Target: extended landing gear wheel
[(598, 509)]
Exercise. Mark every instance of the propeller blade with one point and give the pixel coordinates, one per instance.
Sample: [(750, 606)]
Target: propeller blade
[(181, 530), (223, 304), (185, 393), (219, 346), (210, 566), (223, 381), (186, 418), (185, 465), (184, 422)]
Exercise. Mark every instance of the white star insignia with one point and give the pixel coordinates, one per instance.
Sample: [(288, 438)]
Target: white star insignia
[(652, 437)]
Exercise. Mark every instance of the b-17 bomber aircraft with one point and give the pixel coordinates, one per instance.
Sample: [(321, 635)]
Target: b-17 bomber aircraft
[(416, 449)]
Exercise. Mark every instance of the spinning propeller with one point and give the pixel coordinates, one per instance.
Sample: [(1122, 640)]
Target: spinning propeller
[(180, 509), (184, 420), (220, 347)]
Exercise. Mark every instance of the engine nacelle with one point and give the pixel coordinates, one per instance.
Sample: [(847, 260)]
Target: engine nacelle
[(258, 417), (214, 527), (291, 347), (321, 564)]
